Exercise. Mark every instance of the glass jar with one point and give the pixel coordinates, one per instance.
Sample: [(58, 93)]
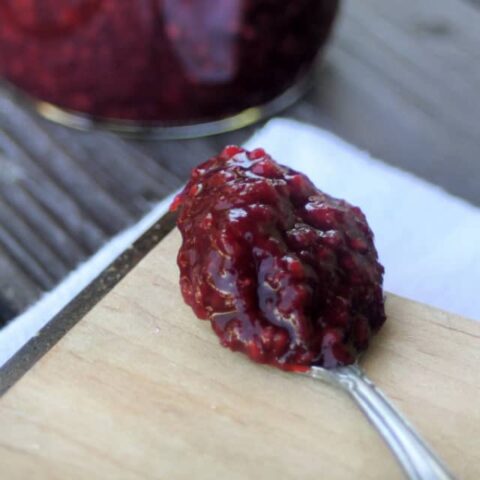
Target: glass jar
[(161, 63)]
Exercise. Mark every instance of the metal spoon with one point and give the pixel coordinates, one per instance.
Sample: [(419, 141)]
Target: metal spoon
[(414, 456)]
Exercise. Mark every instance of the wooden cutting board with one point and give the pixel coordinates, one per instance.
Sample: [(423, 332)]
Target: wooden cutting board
[(141, 389)]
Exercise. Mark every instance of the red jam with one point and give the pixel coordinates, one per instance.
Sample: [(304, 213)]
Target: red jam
[(284, 272), (167, 61)]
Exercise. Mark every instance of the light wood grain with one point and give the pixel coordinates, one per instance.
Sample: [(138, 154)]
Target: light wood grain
[(141, 389)]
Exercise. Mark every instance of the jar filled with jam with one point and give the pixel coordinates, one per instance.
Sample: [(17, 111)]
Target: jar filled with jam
[(183, 66)]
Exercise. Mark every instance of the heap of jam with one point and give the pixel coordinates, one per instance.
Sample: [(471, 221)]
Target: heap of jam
[(163, 61), (284, 272)]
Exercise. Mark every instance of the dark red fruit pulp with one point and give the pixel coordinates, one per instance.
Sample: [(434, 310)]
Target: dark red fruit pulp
[(168, 61), (284, 272)]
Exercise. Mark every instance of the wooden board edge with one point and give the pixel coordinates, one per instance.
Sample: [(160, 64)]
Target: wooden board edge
[(80, 305)]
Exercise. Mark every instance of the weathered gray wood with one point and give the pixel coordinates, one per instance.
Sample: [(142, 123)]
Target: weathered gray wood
[(63, 194), (58, 202), (66, 171), (25, 261), (52, 231), (16, 288), (30, 241)]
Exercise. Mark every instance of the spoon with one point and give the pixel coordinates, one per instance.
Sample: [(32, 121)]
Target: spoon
[(415, 457), (260, 227)]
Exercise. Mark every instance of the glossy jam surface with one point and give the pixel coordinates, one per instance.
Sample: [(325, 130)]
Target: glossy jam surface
[(170, 61), (285, 273)]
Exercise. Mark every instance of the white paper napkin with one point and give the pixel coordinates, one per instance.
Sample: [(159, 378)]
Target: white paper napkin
[(427, 239)]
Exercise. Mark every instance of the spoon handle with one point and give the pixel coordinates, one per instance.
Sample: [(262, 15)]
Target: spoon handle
[(415, 457)]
